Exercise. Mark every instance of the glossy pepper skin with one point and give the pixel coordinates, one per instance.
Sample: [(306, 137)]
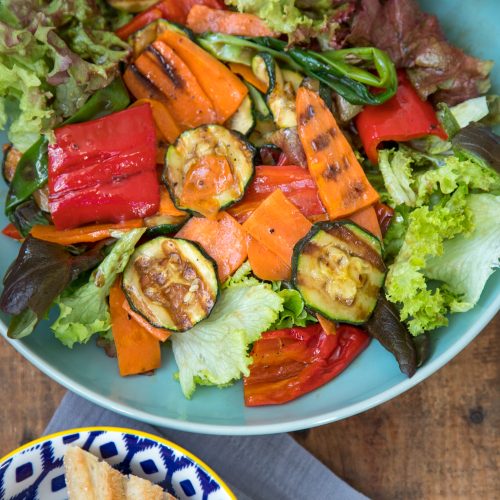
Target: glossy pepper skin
[(291, 362), (402, 118), (104, 170), (172, 10)]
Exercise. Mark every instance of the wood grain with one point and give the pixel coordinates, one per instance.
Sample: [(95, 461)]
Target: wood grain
[(440, 440)]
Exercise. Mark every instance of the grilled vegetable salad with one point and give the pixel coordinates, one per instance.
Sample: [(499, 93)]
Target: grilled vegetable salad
[(261, 186)]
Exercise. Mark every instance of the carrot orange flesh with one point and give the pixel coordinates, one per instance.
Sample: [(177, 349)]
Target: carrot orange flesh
[(223, 239), (367, 219), (328, 326), (202, 19), (278, 225), (185, 99), (342, 183), (165, 123), (248, 75), (158, 333), (85, 234), (167, 206), (225, 89), (265, 264), (137, 350)]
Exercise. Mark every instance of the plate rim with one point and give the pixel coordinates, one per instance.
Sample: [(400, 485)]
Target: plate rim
[(267, 428), (123, 431)]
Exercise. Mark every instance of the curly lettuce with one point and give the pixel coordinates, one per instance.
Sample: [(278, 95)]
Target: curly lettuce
[(422, 306), (468, 260), (84, 310), (290, 17), (53, 57), (215, 351)]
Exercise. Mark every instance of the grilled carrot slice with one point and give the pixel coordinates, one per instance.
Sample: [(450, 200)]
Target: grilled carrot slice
[(185, 99), (224, 88), (137, 350), (342, 184), (277, 224), (223, 239), (165, 123), (202, 19), (248, 75), (85, 234), (265, 264), (367, 219)]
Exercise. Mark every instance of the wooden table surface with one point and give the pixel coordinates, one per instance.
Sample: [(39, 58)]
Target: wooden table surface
[(439, 440)]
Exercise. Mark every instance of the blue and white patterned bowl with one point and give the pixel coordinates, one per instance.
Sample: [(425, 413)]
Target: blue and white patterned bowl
[(35, 471)]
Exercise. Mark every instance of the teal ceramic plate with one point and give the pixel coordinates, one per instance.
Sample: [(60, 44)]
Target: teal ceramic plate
[(371, 380)]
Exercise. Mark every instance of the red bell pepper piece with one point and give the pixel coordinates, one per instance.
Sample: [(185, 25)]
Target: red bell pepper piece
[(402, 118), (104, 170), (291, 362), (11, 231), (295, 182), (172, 10)]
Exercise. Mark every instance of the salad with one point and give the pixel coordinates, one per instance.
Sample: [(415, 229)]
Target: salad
[(261, 187)]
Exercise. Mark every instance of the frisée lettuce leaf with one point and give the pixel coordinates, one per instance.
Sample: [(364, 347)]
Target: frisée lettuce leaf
[(421, 306), (215, 351), (469, 260), (84, 311)]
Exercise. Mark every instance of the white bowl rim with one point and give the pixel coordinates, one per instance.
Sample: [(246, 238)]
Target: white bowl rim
[(258, 429)]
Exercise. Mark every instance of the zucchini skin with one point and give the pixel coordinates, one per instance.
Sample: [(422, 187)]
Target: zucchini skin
[(239, 136), (251, 117), (299, 250), (216, 296)]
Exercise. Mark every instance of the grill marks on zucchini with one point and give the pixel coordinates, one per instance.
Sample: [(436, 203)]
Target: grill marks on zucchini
[(171, 283), (339, 270), (208, 169)]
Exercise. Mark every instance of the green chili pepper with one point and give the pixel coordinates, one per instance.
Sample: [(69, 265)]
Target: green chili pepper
[(112, 98), (30, 175), (345, 71), (31, 172)]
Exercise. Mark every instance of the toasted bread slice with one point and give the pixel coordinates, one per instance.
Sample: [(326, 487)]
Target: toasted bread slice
[(88, 478)]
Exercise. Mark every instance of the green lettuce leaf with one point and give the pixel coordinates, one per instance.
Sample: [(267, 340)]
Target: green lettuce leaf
[(469, 260), (288, 16), (412, 178), (84, 311), (53, 57), (294, 312), (215, 351), (423, 307), (453, 173), (396, 170)]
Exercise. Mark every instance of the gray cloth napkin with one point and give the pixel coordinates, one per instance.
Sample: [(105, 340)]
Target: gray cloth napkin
[(270, 467)]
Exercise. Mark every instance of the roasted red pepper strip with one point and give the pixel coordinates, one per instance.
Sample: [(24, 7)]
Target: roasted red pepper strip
[(295, 182), (104, 170), (11, 231), (292, 362), (402, 118), (172, 10)]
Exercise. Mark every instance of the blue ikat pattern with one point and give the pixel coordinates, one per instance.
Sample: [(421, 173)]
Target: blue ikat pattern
[(37, 473)]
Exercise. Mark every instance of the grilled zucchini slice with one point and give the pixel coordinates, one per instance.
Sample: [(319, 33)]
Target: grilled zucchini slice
[(280, 94), (243, 121), (208, 168), (158, 225), (338, 269), (141, 39), (171, 282)]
